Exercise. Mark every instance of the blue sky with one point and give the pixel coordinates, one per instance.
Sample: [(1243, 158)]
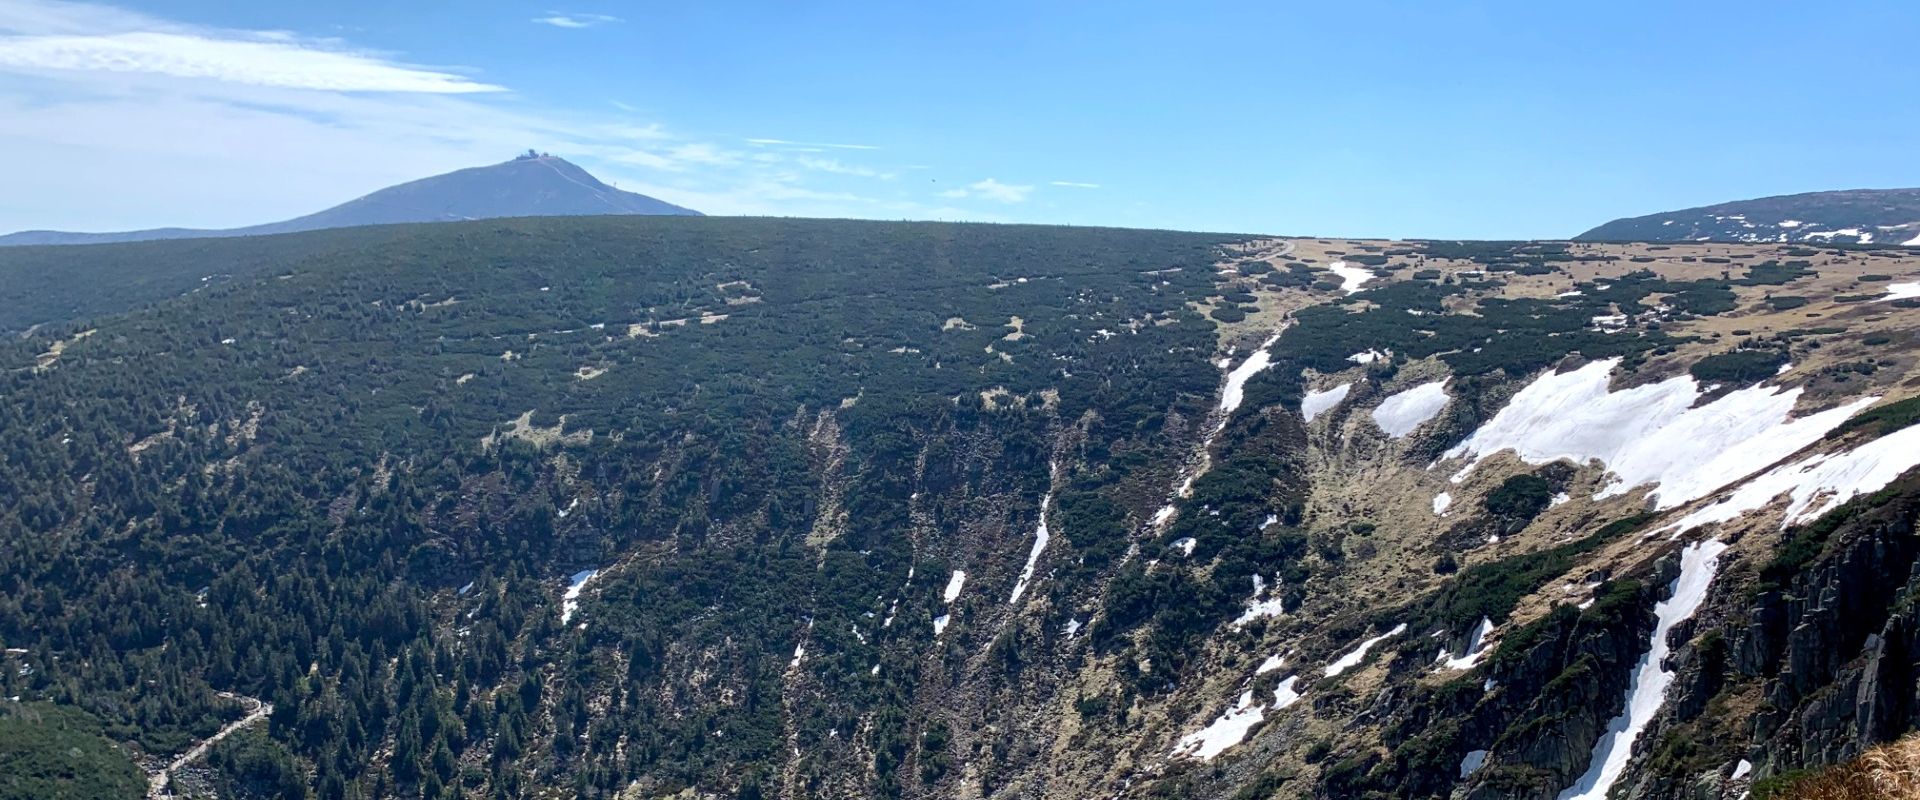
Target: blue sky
[(1361, 118)]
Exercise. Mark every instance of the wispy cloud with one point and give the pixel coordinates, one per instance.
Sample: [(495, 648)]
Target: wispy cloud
[(1074, 184), (836, 167), (243, 57), (991, 189), (790, 143), (561, 19)]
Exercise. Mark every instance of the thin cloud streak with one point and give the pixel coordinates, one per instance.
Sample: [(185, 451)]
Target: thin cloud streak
[(561, 19), (990, 189), (281, 63), (790, 143)]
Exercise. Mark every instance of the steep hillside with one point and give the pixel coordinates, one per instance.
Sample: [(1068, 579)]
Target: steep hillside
[(528, 186), (1859, 216), (758, 508)]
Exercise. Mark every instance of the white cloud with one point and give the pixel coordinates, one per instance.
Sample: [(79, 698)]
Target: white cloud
[(991, 189), (1074, 184), (43, 38), (560, 19), (836, 167), (816, 145), (256, 62)]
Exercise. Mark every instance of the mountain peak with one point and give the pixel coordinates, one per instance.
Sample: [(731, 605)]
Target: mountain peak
[(532, 184)]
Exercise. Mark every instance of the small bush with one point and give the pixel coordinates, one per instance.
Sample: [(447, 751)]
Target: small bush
[(1738, 367)]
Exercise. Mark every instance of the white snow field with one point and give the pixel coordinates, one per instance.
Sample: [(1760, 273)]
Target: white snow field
[(1224, 733), (1818, 483), (571, 599), (1040, 537), (1317, 403), (1901, 291), (1353, 658), (1650, 434), (1647, 688), (1351, 278), (1400, 414)]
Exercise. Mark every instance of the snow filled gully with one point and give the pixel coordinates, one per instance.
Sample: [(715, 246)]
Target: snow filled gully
[(1230, 398), (1647, 687)]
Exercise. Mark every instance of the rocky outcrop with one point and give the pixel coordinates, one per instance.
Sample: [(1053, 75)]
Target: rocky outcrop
[(1822, 644)]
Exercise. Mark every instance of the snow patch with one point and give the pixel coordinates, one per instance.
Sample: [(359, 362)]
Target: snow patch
[(1225, 732), (1369, 356), (1441, 501), (1272, 663), (1400, 414), (570, 600), (1284, 694), (1040, 537), (954, 584), (1647, 689), (1650, 434), (1235, 391), (1317, 403), (1353, 658), (1741, 770), (1817, 483), (1261, 604), (1476, 647), (1902, 291), (940, 624), (1351, 278)]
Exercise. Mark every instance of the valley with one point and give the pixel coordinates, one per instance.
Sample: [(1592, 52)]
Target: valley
[(647, 507)]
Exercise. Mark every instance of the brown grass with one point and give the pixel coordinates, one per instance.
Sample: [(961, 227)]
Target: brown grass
[(1887, 772)]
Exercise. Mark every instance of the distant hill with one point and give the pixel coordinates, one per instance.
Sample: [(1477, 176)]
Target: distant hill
[(528, 186), (1858, 216)]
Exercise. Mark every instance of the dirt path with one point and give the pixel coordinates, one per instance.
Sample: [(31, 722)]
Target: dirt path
[(157, 785)]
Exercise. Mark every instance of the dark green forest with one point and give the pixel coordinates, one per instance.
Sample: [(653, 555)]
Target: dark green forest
[(305, 483)]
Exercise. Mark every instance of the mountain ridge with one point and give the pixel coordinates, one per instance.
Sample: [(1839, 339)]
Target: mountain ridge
[(1845, 216), (530, 185)]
